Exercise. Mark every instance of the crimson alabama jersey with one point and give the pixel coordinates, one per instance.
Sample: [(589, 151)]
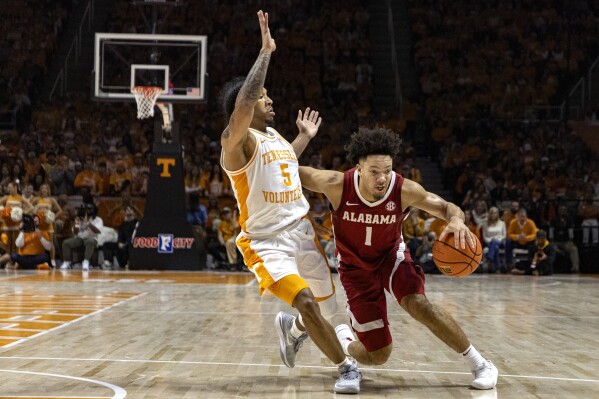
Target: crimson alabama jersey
[(366, 232)]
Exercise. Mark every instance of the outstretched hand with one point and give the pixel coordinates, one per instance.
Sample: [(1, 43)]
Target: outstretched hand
[(268, 43), (461, 233), (308, 122)]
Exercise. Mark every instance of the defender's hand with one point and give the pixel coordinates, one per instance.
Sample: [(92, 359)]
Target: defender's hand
[(308, 122), (268, 43)]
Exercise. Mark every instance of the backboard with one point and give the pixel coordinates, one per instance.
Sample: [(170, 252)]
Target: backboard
[(177, 63)]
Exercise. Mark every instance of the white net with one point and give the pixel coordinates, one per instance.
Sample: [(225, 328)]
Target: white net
[(145, 96)]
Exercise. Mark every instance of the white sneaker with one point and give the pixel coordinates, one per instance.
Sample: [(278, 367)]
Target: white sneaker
[(65, 265), (106, 265), (485, 376), (345, 337), (53, 262), (349, 379), (288, 345), (85, 265)]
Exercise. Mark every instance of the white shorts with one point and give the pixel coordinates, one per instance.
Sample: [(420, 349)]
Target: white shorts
[(294, 251)]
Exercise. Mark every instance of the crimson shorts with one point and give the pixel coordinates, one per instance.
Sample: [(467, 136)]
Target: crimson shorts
[(366, 302)]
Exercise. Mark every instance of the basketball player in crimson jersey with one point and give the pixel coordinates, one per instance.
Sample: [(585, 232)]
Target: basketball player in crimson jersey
[(277, 240), (369, 204)]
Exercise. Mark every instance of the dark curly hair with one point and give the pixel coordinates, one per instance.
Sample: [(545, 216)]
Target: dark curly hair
[(228, 95), (376, 141)]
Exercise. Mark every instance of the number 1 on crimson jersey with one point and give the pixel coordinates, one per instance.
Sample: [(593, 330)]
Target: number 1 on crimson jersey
[(368, 240)]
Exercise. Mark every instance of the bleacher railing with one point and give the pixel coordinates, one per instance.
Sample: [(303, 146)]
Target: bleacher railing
[(60, 85), (583, 95)]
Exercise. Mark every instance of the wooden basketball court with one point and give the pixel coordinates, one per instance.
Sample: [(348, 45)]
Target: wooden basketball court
[(209, 335)]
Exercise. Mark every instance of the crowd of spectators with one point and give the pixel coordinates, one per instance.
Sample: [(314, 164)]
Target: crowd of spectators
[(100, 150), (545, 169), (86, 149), (30, 31), (481, 65), (499, 57)]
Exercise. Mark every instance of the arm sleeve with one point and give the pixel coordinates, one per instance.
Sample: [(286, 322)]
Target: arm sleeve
[(98, 222), (45, 242), (20, 241)]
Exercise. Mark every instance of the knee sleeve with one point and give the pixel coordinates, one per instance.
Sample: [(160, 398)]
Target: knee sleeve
[(328, 307)]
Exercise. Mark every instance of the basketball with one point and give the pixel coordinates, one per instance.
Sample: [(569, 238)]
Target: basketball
[(456, 262)]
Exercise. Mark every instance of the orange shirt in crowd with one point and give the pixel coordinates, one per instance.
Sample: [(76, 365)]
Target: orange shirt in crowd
[(529, 229), (33, 243)]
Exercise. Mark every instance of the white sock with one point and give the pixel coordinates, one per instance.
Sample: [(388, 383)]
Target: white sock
[(345, 337), (473, 357), (294, 331), (345, 362)]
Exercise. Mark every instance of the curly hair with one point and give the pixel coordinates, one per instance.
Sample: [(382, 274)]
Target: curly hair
[(376, 141), (228, 95)]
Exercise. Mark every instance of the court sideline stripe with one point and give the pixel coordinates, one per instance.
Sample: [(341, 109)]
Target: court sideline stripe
[(343, 314), (282, 366), (71, 322)]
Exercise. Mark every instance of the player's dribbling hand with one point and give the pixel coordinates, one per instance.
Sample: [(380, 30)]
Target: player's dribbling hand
[(308, 122), (461, 233), (268, 43)]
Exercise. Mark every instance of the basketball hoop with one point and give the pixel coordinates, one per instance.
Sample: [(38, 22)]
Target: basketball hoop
[(146, 97)]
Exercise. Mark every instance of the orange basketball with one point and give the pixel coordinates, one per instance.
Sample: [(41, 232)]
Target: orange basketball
[(456, 262)]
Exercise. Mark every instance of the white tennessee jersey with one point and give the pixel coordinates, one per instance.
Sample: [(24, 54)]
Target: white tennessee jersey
[(268, 189)]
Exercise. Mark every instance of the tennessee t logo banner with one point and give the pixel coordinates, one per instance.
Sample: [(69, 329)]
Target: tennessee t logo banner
[(165, 163)]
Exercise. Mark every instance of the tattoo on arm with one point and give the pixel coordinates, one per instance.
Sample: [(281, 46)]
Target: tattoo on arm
[(250, 91)]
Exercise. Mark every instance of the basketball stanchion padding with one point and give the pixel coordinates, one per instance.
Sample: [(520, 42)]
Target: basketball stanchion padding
[(456, 262), (146, 97)]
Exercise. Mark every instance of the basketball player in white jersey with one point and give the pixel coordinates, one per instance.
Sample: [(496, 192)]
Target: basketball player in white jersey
[(277, 240)]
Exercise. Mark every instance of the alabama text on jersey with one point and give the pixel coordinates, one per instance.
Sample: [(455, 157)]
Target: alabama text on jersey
[(365, 232)]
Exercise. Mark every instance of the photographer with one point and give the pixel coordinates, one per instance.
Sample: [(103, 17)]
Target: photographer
[(86, 228), (32, 245), (541, 257)]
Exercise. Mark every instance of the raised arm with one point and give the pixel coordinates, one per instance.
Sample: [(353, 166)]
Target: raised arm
[(236, 132), (413, 194), (308, 124), (328, 182)]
